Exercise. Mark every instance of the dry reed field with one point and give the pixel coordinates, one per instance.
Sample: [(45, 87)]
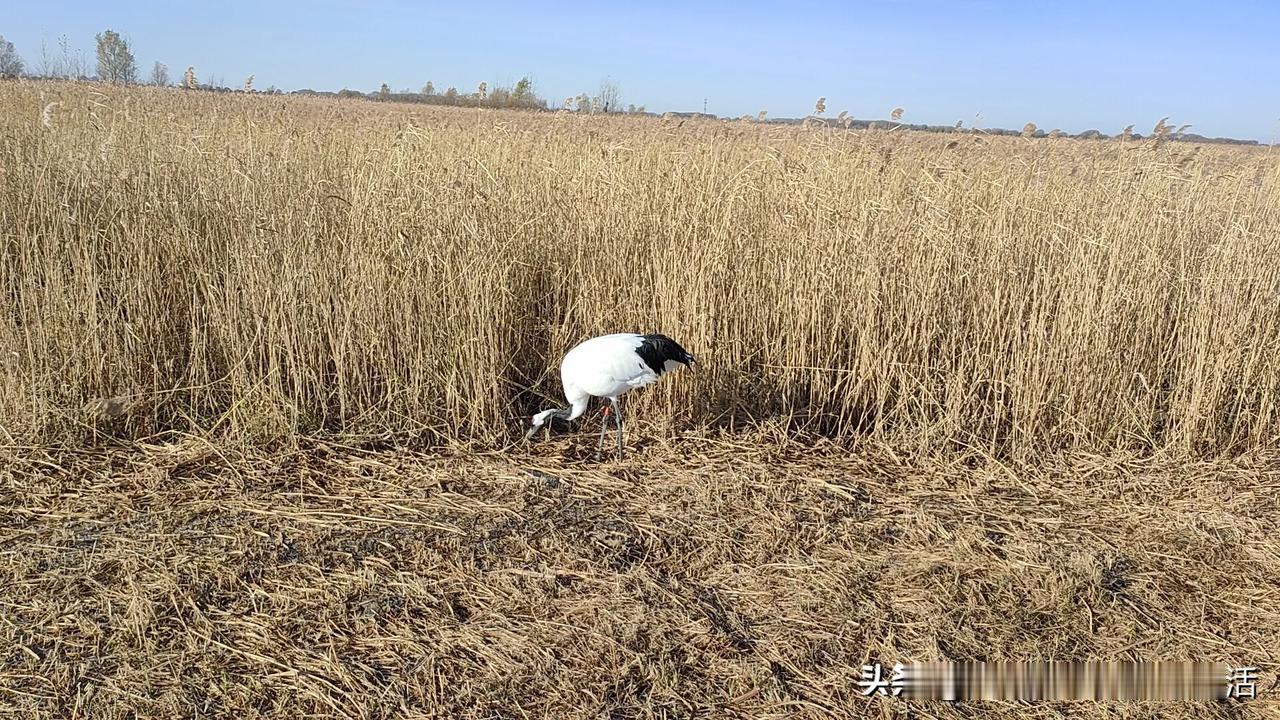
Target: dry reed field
[(265, 267), (264, 362)]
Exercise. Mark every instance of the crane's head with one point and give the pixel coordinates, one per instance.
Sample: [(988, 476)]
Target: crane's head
[(541, 419)]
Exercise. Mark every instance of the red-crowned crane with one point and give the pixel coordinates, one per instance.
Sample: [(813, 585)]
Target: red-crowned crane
[(608, 366)]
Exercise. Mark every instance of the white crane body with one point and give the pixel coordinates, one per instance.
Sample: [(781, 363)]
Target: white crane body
[(609, 366)]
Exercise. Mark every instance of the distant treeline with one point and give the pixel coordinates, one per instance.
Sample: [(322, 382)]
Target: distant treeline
[(520, 96), (516, 98), (1039, 133)]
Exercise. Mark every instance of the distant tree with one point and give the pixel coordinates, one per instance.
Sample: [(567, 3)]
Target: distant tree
[(384, 92), (428, 89), (10, 63), (159, 74), (451, 94), (115, 60), (347, 93), (523, 91), (68, 64), (610, 98)]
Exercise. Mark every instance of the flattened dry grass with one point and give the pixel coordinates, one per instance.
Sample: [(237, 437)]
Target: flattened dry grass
[(720, 580)]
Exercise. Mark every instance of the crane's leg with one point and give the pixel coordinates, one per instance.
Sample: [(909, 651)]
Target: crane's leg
[(617, 420), (604, 426)]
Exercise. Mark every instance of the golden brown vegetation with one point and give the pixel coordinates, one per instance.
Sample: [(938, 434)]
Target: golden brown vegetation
[(713, 581), (238, 285), (262, 267)]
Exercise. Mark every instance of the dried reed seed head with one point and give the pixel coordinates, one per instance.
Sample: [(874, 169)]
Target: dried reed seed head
[(1161, 130), (896, 114), (189, 78), (1127, 132), (760, 115), (959, 124), (482, 90), (820, 106), (1028, 130), (248, 84), (843, 114), (46, 115)]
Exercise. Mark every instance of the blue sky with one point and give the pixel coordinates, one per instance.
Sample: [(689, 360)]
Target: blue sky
[(1074, 65)]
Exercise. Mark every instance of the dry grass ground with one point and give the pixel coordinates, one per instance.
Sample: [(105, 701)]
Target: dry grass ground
[(1053, 367), (712, 580)]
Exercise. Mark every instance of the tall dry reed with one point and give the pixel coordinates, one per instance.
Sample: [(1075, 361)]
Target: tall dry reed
[(257, 267)]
